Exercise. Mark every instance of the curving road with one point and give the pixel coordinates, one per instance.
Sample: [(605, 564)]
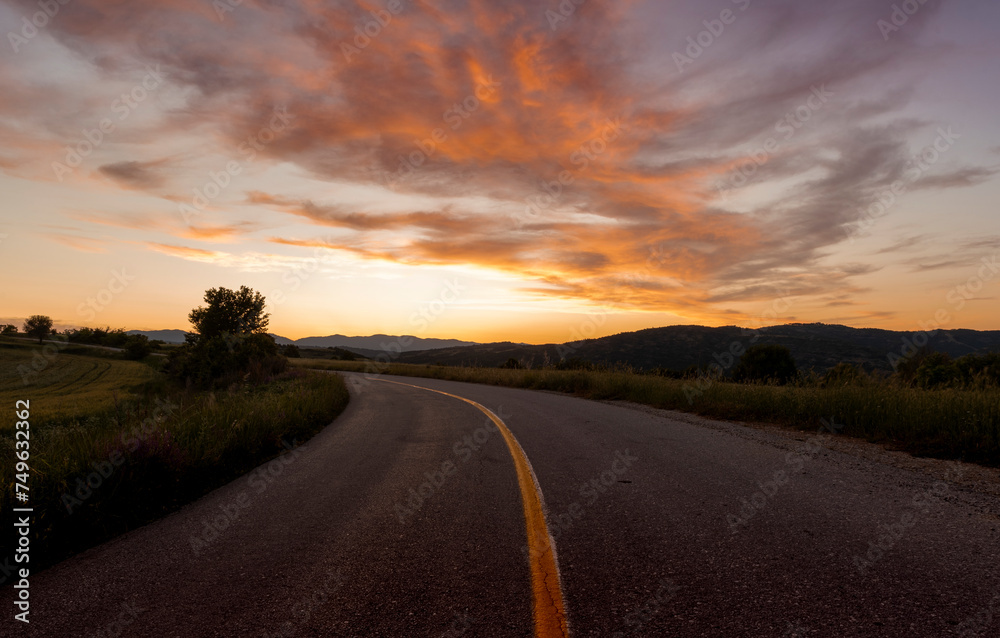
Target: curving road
[(405, 518)]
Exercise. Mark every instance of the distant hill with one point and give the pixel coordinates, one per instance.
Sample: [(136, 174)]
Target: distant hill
[(371, 345), (167, 336), (374, 343), (814, 346)]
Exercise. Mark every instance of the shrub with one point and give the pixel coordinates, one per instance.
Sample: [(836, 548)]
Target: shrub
[(226, 359), (137, 347), (936, 370), (574, 363), (766, 363)]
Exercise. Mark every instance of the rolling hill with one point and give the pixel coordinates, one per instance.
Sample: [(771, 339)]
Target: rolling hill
[(372, 344), (814, 346)]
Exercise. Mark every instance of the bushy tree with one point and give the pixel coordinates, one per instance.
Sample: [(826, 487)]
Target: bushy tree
[(235, 312), (766, 363), (291, 351), (512, 364), (343, 355), (117, 338), (975, 370), (936, 370), (80, 335), (38, 326), (8, 329), (230, 343), (906, 367), (137, 347)]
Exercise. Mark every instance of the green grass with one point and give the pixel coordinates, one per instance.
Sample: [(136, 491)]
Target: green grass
[(159, 445), (62, 383), (950, 423)]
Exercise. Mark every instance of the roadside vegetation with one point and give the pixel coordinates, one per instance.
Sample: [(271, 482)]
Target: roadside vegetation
[(932, 406), (116, 443)]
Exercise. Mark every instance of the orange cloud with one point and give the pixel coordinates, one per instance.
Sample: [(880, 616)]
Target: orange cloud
[(575, 157)]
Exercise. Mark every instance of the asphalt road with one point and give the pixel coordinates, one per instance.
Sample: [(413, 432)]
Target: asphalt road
[(664, 527)]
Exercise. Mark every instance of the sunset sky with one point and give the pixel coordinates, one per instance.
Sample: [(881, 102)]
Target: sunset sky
[(502, 170)]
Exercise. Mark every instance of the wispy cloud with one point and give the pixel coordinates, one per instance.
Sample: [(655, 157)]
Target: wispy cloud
[(244, 261), (82, 244), (577, 151)]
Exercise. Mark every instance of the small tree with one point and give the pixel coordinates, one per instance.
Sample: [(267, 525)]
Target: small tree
[(38, 326), (8, 329), (936, 370), (80, 335), (906, 367), (137, 347), (291, 351), (766, 363)]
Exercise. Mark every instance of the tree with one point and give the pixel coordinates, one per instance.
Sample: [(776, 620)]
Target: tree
[(137, 347), (80, 335), (906, 367), (230, 343), (291, 351), (237, 312), (979, 370), (38, 326), (766, 363), (8, 329), (936, 370)]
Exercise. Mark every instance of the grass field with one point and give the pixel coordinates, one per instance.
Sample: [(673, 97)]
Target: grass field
[(64, 385), (950, 423), (115, 445)]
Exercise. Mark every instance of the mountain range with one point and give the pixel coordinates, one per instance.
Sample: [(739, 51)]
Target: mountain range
[(815, 346), (372, 343)]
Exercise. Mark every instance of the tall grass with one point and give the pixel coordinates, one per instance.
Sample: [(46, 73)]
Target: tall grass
[(948, 423), (98, 474)]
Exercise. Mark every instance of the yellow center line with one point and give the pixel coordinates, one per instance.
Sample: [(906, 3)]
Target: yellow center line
[(546, 583)]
